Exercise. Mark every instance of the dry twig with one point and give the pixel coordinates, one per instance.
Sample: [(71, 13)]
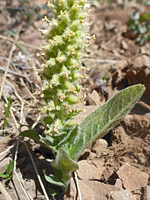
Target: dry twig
[(37, 173), (18, 128), (21, 42), (9, 60), (103, 61), (7, 150), (77, 184), (20, 75), (16, 155), (4, 192), (35, 168), (28, 90)]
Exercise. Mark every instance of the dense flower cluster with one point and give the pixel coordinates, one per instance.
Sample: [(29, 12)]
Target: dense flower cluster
[(63, 54)]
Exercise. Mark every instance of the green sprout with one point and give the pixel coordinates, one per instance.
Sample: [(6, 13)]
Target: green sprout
[(9, 170), (7, 114), (63, 53)]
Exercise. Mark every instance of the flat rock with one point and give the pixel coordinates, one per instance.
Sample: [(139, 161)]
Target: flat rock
[(91, 190), (140, 61), (121, 195), (90, 169), (99, 189), (132, 177)]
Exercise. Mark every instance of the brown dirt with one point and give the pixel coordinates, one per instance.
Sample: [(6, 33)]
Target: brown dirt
[(116, 57)]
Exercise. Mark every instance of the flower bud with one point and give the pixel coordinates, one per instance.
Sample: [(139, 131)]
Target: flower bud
[(55, 80), (72, 99)]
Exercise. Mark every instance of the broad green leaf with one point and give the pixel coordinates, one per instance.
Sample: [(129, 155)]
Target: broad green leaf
[(102, 120), (63, 162), (64, 166)]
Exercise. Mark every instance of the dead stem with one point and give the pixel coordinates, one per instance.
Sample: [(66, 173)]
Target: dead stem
[(33, 163), (9, 60), (36, 171), (21, 42), (7, 150), (28, 90), (78, 186), (21, 76), (4, 192), (16, 153), (103, 61)]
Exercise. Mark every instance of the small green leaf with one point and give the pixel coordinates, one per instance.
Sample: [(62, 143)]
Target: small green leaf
[(38, 138), (8, 174), (9, 177), (32, 134), (142, 29), (53, 179), (64, 166), (4, 176), (10, 168), (21, 47), (102, 120), (7, 114)]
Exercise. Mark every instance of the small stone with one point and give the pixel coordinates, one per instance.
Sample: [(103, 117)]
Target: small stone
[(93, 98), (118, 183), (4, 164), (90, 169), (86, 192), (100, 190), (141, 61), (132, 177), (90, 190), (121, 195), (99, 146), (146, 193), (124, 45), (96, 4)]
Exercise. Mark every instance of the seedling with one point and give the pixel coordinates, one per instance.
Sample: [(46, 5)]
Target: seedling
[(7, 114), (140, 25), (63, 54), (8, 174)]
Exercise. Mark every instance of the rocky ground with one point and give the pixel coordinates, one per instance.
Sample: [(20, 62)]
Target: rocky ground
[(113, 168)]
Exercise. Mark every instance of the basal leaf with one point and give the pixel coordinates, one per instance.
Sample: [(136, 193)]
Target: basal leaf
[(38, 138), (53, 180), (64, 166), (102, 120), (63, 163)]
